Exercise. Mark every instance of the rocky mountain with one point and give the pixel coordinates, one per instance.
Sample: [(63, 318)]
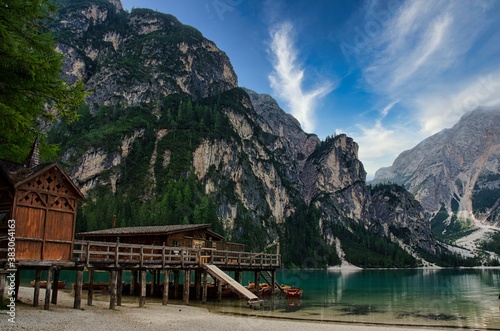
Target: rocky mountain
[(167, 137), (455, 174)]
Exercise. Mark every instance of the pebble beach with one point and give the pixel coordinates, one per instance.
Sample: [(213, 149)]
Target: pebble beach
[(151, 318)]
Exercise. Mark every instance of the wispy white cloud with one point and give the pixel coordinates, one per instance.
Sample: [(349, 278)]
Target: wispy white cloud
[(426, 56), (287, 79)]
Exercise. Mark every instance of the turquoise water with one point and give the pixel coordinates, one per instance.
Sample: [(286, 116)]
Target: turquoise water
[(463, 298)]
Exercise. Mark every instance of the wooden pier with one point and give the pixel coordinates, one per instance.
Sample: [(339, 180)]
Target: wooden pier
[(158, 260)]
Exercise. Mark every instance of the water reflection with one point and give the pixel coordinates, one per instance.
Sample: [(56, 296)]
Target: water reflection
[(462, 298)]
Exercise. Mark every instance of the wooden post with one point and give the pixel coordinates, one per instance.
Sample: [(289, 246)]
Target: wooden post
[(142, 297), (176, 284), (48, 288), (55, 288), (3, 283), (257, 282), (153, 283), (219, 290), (36, 294), (78, 289), (17, 282), (112, 288), (238, 276), (187, 276), (133, 280), (90, 290), (197, 283), (166, 285), (119, 287), (273, 280), (205, 289)]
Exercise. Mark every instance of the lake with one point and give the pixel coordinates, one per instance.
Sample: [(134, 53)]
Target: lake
[(458, 298)]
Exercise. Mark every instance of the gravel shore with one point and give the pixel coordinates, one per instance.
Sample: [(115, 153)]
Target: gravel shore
[(151, 318)]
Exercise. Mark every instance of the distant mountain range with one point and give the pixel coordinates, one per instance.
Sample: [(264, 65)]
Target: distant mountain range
[(168, 137), (455, 174)]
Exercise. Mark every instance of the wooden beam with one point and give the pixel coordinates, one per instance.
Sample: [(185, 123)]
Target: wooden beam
[(257, 282), (48, 289), (166, 285), (176, 284), (78, 289), (133, 280), (112, 289), (56, 286), (205, 288), (119, 287), (197, 283), (36, 294), (238, 276), (17, 283), (187, 276), (153, 283), (90, 290), (142, 297), (219, 290)]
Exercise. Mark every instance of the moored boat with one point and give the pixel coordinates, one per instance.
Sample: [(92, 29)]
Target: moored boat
[(292, 292)]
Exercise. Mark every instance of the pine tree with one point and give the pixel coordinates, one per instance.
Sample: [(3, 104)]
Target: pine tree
[(30, 77)]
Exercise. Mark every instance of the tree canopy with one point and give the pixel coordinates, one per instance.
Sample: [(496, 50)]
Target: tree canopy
[(32, 91)]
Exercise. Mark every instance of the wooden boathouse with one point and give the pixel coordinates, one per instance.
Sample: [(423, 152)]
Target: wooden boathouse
[(42, 200)]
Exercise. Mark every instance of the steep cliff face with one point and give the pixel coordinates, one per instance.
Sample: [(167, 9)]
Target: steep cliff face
[(138, 57), (457, 168), (168, 137)]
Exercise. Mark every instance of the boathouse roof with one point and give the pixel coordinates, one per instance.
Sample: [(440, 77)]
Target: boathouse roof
[(17, 174), (150, 230)]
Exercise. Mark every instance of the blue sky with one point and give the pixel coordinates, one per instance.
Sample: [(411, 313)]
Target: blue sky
[(387, 73)]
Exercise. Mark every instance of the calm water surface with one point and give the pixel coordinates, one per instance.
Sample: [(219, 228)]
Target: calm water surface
[(464, 298)]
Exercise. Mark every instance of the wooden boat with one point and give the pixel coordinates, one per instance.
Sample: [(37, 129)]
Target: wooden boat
[(264, 289), (292, 292), (43, 284)]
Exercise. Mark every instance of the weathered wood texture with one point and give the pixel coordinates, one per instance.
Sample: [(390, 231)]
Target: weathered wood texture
[(93, 253), (43, 206)]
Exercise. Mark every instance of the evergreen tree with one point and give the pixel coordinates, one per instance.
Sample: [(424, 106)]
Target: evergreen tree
[(30, 77)]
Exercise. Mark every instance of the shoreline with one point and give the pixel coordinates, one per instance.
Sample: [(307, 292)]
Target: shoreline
[(155, 317)]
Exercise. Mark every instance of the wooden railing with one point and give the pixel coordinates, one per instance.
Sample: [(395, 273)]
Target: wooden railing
[(96, 252)]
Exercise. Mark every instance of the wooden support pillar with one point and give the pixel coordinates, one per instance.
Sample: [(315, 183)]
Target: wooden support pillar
[(90, 291), (36, 293), (273, 278), (119, 287), (166, 285), (55, 288), (219, 290), (187, 276), (3, 284), (205, 287), (78, 289), (48, 289), (153, 280), (158, 282), (112, 289), (17, 283), (257, 282), (197, 283), (142, 295), (133, 280), (176, 284), (238, 276)]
